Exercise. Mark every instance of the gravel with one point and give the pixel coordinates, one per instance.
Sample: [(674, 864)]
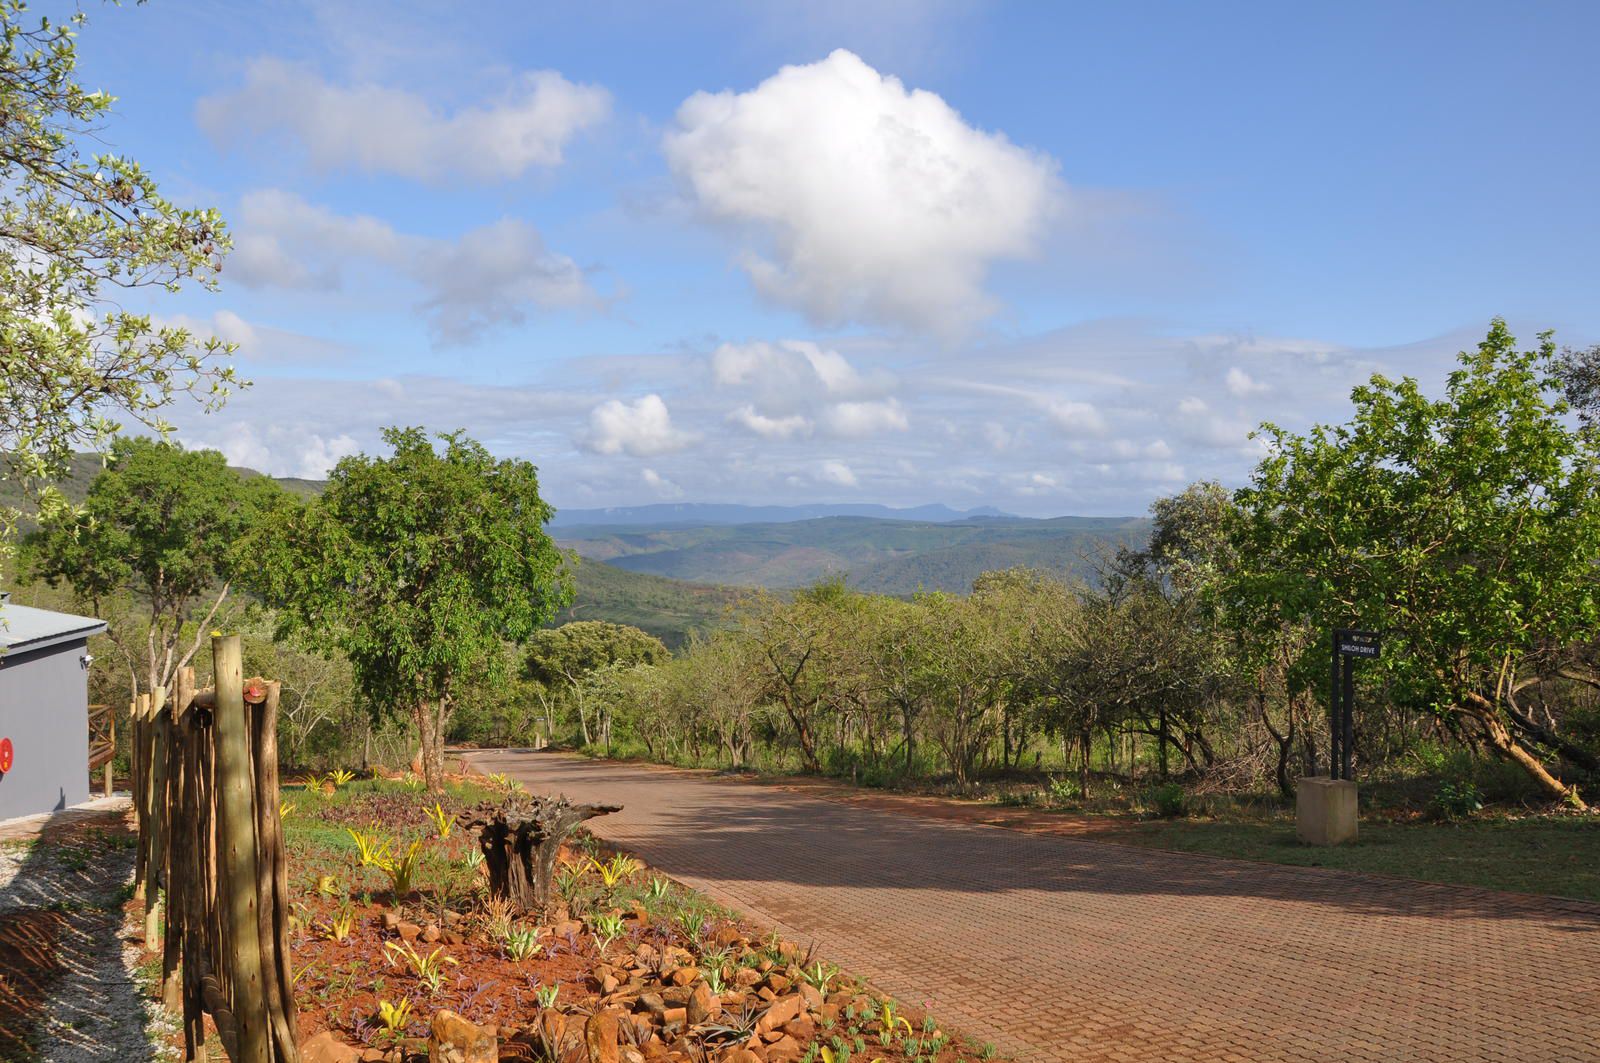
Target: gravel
[(93, 1006)]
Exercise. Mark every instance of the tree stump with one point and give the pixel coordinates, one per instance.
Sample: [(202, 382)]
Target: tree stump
[(520, 838)]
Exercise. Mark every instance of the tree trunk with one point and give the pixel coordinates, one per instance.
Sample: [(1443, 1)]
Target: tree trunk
[(520, 840), (1500, 738), (429, 717), (910, 738), (1284, 741), (1163, 736)]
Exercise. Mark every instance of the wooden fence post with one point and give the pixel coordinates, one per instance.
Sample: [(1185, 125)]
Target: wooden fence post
[(237, 845), (272, 877), (111, 725), (136, 776), (159, 732), (177, 840)]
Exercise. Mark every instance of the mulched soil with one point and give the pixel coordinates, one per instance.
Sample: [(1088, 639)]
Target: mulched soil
[(651, 994)]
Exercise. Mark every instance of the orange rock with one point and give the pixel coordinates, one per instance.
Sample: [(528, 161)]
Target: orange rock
[(326, 1048), (783, 1050), (600, 1038), (703, 1005), (782, 1011), (453, 1039), (685, 975)]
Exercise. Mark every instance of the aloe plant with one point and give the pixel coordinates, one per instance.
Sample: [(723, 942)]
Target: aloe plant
[(429, 969)]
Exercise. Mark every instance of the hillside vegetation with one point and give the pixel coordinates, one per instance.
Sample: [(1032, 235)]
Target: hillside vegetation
[(668, 609)]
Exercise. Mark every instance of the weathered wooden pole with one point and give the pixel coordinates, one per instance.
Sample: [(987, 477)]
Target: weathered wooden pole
[(236, 842), (160, 729), (195, 828), (177, 839), (111, 755), (136, 775), (272, 879)]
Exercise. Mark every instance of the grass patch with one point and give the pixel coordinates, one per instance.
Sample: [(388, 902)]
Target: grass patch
[(1555, 855)]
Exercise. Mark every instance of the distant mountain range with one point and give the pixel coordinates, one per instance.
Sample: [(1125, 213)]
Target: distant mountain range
[(694, 513), (886, 556)]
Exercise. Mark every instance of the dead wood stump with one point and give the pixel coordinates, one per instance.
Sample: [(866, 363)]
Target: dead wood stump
[(520, 838)]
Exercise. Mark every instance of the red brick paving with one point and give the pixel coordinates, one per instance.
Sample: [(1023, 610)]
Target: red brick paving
[(1067, 948)]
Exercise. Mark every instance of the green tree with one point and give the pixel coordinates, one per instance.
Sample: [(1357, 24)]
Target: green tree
[(566, 656), (420, 566), (795, 648), (76, 235), (1466, 529), (157, 534)]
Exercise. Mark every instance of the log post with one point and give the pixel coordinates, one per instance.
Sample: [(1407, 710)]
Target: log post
[(111, 737), (195, 827), (158, 727), (236, 842), (272, 881), (136, 775), (177, 841)]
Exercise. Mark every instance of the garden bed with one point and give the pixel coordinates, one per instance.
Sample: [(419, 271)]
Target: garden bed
[(395, 939)]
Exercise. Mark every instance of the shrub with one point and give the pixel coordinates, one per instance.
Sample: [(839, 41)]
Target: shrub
[(1167, 800), (1456, 800), (1065, 790)]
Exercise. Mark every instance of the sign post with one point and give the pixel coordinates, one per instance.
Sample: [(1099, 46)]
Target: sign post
[(1325, 806), (1347, 643)]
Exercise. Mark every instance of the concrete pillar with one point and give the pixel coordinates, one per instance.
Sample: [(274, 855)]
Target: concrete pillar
[(1325, 811)]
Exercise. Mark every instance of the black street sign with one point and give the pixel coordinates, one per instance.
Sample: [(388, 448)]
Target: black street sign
[(1347, 643), (1357, 643)]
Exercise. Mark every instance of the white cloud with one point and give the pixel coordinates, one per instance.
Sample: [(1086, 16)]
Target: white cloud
[(377, 129), (659, 484), (788, 427), (1241, 384), (1076, 418), (999, 437), (857, 420), (874, 203), (837, 473), (641, 428), (492, 275), (791, 369), (278, 449)]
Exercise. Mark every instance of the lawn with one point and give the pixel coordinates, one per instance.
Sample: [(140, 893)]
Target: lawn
[(1557, 855)]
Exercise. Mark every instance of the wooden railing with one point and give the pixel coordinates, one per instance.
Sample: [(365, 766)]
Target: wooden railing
[(102, 741), (206, 788)]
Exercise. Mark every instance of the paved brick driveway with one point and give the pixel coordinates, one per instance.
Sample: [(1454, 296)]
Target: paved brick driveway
[(1071, 949)]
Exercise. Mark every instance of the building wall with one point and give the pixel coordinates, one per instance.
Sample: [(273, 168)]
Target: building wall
[(44, 698)]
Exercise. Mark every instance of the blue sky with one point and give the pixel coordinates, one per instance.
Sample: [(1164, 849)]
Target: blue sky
[(1056, 258)]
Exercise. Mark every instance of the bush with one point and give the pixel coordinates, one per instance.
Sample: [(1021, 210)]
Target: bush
[(1065, 790), (1456, 800), (1167, 800)]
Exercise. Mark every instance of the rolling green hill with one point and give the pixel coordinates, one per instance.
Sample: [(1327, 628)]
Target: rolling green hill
[(666, 608), (671, 578), (886, 556)]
